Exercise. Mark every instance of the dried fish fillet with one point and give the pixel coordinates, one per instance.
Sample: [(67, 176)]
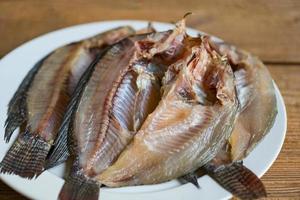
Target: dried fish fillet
[(186, 129), (42, 98), (257, 99), (257, 112)]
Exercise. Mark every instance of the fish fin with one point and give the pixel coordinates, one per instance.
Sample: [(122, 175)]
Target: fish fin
[(238, 180), (17, 108), (63, 145), (77, 186), (59, 151), (191, 178), (26, 157)]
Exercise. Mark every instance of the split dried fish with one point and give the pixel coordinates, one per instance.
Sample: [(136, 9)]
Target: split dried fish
[(187, 128), (60, 151), (257, 112)]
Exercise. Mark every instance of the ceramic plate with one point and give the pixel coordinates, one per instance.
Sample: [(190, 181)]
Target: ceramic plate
[(15, 65)]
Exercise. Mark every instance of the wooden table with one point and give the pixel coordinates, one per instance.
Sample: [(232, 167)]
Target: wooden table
[(268, 29)]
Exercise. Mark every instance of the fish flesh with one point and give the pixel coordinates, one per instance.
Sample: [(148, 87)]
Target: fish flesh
[(40, 101), (188, 127), (124, 83)]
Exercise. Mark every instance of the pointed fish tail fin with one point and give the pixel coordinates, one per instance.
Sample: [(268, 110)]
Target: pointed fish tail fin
[(190, 178), (17, 110), (13, 121), (60, 152), (77, 187), (26, 157), (62, 146), (238, 180)]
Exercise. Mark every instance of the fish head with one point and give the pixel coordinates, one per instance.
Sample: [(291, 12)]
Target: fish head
[(164, 46)]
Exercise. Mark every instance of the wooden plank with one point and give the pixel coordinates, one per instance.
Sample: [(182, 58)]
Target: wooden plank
[(283, 179), (268, 29), (6, 193)]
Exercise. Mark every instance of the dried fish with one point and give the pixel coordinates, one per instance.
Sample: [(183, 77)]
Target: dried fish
[(41, 99), (257, 112), (124, 82), (191, 123), (142, 107), (60, 151)]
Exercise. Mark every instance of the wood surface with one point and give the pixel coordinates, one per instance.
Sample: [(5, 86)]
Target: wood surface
[(269, 29)]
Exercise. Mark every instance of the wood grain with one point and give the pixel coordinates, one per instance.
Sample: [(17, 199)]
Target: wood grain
[(268, 29), (283, 179)]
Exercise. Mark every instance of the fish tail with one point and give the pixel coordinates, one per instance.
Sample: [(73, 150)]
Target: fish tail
[(26, 157), (57, 158), (78, 187), (238, 180)]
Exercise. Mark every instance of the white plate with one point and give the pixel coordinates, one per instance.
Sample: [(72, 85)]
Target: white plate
[(15, 65)]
